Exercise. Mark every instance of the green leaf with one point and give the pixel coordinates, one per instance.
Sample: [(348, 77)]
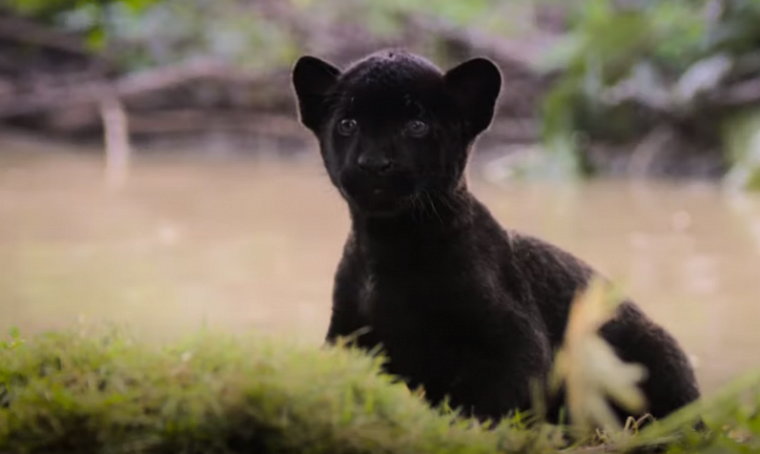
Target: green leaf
[(741, 138)]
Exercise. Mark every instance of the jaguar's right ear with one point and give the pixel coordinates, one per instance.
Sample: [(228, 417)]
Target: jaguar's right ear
[(312, 78)]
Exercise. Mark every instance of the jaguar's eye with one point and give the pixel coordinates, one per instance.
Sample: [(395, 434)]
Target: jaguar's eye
[(416, 129), (347, 126)]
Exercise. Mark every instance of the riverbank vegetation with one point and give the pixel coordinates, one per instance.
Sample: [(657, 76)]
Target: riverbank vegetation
[(630, 88)]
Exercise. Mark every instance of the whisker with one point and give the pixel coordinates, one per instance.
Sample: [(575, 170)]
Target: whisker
[(416, 204), (431, 202)]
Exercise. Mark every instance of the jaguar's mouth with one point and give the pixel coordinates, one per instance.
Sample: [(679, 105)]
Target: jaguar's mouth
[(380, 197)]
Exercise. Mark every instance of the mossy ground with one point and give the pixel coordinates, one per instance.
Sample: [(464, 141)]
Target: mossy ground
[(79, 392)]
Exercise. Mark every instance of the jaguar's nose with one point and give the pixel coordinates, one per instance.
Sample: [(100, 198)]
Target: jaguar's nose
[(374, 164)]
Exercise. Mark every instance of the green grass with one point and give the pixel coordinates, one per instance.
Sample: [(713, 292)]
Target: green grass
[(94, 392)]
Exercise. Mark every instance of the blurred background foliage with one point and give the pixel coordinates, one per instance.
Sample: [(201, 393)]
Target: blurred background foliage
[(630, 68), (636, 86), (257, 33)]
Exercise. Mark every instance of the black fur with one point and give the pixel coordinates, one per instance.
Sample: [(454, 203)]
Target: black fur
[(459, 305)]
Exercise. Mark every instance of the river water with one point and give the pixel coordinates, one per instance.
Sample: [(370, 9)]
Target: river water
[(252, 244)]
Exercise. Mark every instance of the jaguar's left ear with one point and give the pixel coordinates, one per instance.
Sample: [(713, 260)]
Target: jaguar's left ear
[(476, 84)]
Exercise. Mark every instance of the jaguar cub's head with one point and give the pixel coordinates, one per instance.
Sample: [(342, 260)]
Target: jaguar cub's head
[(393, 128)]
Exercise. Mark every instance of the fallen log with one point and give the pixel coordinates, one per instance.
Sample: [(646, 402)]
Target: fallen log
[(53, 96)]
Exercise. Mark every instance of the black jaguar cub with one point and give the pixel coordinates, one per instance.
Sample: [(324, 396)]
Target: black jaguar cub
[(459, 305)]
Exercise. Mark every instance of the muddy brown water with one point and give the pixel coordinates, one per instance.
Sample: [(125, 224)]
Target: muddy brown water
[(252, 245)]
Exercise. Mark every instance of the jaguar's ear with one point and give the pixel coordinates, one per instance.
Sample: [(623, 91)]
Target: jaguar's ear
[(312, 78), (476, 84)]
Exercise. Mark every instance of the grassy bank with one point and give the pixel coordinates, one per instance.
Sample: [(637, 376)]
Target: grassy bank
[(79, 392)]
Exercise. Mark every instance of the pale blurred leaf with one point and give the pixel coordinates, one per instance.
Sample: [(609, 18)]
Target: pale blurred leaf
[(589, 368)]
